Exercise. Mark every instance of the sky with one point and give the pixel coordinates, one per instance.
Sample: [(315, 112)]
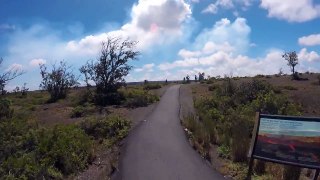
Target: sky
[(176, 37)]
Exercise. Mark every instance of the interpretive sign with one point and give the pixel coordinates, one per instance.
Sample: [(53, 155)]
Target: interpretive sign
[(287, 140)]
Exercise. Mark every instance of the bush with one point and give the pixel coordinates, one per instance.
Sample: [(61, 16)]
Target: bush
[(224, 151), (111, 128), (290, 88), (148, 86), (103, 99), (77, 112), (212, 87), (57, 81), (139, 98), (47, 153), (291, 173), (249, 91), (67, 147), (227, 118), (5, 110)]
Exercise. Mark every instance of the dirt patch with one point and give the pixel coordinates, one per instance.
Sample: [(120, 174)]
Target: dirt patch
[(103, 166), (186, 101)]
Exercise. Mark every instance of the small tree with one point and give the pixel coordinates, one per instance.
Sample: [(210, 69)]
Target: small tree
[(292, 59), (109, 70), (24, 90), (188, 78), (201, 76), (7, 76), (58, 81)]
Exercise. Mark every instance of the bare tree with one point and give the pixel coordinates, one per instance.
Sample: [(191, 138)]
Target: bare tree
[(109, 70), (7, 76), (58, 81), (292, 59)]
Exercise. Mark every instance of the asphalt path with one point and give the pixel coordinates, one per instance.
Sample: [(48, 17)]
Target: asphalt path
[(157, 149)]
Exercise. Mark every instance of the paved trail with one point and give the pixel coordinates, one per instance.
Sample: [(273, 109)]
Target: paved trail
[(158, 148)]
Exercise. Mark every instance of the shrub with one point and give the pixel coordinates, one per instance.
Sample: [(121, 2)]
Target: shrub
[(212, 87), (114, 98), (224, 151), (139, 98), (47, 153), (291, 173), (259, 76), (228, 87), (77, 112), (67, 147), (277, 90), (249, 91), (290, 88), (259, 167), (5, 110), (149, 86), (112, 128)]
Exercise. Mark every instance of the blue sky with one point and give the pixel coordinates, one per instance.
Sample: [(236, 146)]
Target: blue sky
[(176, 37)]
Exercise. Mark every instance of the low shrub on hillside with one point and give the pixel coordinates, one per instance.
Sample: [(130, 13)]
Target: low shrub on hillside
[(111, 128), (49, 153), (290, 88), (149, 86), (227, 117), (31, 152), (77, 112), (139, 98)]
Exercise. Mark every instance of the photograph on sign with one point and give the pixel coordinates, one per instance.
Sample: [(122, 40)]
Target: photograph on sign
[(290, 141)]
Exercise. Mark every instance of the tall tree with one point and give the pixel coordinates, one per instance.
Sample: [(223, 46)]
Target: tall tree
[(7, 76), (292, 59), (109, 70)]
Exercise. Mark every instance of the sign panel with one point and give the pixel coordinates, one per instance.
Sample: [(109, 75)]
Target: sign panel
[(288, 140)]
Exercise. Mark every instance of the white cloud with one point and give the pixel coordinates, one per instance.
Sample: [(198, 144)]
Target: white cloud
[(188, 54), (195, 1), (152, 22), (15, 66), (145, 68), (37, 62), (297, 11), (311, 40), (221, 63), (311, 56), (226, 35), (213, 7)]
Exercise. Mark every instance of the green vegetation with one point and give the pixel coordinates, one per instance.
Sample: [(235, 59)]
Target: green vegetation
[(137, 97), (290, 88), (227, 117), (111, 129), (77, 112), (57, 81), (30, 151), (150, 86), (109, 70)]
